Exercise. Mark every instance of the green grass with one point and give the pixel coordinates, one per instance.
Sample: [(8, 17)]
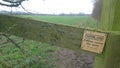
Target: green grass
[(77, 21), (33, 55)]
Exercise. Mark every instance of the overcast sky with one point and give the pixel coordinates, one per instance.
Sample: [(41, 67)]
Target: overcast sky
[(55, 6)]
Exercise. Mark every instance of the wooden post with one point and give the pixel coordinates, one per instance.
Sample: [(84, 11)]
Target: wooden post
[(111, 55), (110, 21)]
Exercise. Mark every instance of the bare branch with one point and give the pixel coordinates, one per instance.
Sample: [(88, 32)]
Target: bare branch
[(13, 3)]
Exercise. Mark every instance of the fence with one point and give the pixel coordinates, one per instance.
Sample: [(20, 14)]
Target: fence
[(71, 37)]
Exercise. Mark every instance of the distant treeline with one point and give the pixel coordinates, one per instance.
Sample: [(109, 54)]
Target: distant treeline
[(62, 14)]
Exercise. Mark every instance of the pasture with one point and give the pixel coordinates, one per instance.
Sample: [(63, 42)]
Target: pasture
[(77, 21), (38, 54)]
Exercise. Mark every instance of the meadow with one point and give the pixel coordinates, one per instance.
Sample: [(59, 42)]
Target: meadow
[(77, 21), (38, 54), (31, 54)]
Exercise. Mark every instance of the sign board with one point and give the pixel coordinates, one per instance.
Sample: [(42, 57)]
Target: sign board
[(93, 41)]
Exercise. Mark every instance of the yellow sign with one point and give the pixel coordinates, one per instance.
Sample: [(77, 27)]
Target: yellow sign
[(93, 41)]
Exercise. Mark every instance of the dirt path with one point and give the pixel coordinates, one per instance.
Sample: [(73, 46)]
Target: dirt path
[(69, 59)]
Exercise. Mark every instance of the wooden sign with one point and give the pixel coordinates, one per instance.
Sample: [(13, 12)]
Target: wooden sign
[(93, 41)]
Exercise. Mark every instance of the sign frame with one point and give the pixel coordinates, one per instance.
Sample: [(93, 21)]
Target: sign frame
[(93, 41)]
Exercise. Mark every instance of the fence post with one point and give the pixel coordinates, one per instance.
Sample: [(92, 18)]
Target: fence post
[(110, 21), (110, 15)]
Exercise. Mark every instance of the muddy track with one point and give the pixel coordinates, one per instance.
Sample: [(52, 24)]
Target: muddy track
[(66, 58)]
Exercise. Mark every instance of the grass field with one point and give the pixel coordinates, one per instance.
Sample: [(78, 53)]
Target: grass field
[(31, 55), (37, 54), (77, 21)]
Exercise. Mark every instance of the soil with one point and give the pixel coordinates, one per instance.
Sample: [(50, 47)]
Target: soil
[(70, 59)]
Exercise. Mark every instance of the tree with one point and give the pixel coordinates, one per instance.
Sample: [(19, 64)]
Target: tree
[(97, 9), (11, 3), (14, 3)]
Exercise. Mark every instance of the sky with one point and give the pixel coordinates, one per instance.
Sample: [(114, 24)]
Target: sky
[(55, 6)]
